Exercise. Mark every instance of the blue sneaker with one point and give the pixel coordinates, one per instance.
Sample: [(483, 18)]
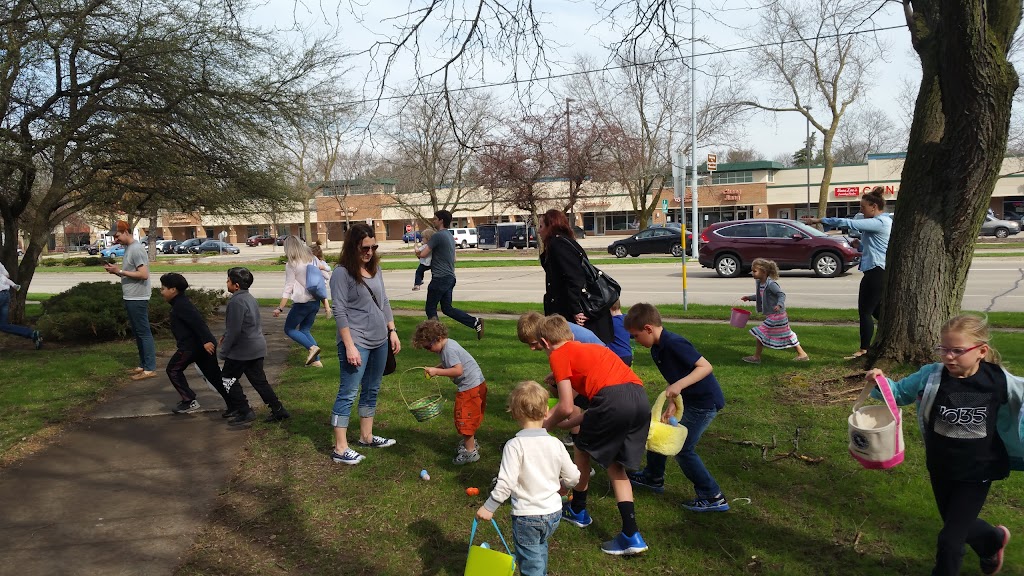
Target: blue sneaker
[(581, 520), (624, 545), (640, 478), (716, 504)]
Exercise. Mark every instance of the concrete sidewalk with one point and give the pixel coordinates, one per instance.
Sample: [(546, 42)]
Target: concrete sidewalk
[(126, 490)]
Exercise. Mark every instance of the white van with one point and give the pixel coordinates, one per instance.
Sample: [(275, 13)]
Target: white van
[(464, 237)]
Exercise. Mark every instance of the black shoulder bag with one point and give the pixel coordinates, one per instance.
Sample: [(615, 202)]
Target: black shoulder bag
[(391, 364), (600, 290)]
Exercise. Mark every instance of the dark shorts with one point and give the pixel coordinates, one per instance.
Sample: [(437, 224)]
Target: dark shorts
[(614, 428)]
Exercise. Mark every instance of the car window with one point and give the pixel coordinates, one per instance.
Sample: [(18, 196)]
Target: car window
[(665, 232), (807, 229), (472, 231), (745, 230), (645, 234), (776, 230)]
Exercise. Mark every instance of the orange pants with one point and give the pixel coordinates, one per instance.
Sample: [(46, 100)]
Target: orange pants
[(469, 409)]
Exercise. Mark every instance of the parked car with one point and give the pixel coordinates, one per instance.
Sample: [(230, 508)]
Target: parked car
[(1018, 216), (215, 246), (658, 240), (464, 237), (115, 251), (169, 246), (519, 239), (493, 236), (730, 247), (259, 240), (413, 236), (993, 226), (186, 246), (93, 249), (280, 239), (145, 240)]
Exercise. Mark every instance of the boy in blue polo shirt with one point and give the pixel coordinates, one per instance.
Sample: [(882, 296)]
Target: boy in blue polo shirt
[(691, 376)]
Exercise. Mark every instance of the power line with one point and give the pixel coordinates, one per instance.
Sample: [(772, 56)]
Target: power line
[(622, 66)]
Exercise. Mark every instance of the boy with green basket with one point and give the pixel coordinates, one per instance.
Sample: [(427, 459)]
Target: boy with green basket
[(533, 464), (462, 368)]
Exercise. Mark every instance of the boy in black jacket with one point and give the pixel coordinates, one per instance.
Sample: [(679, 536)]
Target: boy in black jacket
[(195, 344)]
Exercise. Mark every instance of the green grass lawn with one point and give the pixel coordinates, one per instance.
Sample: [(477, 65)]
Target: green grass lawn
[(290, 510)]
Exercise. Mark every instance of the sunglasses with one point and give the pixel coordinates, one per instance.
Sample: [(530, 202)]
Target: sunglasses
[(942, 351), (368, 248)]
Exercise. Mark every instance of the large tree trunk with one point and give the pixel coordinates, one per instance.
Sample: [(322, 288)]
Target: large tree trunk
[(956, 148)]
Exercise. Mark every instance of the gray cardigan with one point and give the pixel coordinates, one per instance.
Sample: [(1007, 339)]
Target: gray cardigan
[(355, 309), (773, 296), (243, 333)]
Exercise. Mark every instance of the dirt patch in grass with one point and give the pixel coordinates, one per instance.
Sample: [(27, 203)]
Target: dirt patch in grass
[(821, 387)]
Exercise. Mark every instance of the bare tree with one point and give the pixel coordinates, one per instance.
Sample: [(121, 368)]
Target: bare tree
[(432, 163), (741, 155), (812, 65), (866, 130), (956, 148)]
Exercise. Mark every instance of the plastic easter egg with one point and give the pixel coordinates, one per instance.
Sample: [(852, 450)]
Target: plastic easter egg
[(472, 491)]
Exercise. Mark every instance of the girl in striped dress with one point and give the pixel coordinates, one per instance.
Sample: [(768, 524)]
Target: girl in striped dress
[(774, 332)]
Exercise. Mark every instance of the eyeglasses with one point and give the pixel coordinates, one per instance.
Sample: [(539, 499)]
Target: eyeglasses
[(956, 352), (368, 248)]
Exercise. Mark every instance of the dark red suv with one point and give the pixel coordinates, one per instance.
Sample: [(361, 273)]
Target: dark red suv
[(730, 247)]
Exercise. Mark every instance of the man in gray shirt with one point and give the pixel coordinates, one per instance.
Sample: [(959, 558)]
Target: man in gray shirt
[(135, 289), (441, 248)]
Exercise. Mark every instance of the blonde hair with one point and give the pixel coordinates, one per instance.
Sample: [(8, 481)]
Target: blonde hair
[(554, 329), (528, 402), (428, 333), (769, 266), (426, 234), (616, 306), (527, 326), (641, 314), (975, 328), (297, 251)]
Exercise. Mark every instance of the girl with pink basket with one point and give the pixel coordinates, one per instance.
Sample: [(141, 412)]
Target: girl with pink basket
[(774, 332), (969, 412)]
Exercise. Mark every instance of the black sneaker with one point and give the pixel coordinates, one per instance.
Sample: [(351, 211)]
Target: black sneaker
[(278, 415), (186, 406), (640, 478), (994, 564), (243, 418), (479, 327), (230, 413)]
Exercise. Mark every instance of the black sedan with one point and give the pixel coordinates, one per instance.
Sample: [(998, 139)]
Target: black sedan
[(651, 241), (215, 246), (170, 246)]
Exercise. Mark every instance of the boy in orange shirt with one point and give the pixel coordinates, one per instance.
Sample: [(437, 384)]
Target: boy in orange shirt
[(613, 430)]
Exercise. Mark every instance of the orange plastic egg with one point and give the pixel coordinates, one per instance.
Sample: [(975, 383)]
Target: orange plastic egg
[(472, 491)]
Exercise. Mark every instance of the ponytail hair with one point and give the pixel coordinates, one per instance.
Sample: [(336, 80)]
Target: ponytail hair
[(975, 328), (876, 197)]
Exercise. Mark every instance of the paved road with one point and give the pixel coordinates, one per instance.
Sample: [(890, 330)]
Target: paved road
[(995, 284)]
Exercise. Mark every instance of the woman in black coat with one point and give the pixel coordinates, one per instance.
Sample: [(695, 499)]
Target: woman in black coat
[(565, 278)]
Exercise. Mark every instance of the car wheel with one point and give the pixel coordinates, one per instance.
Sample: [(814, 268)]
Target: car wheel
[(1002, 232), (827, 265), (728, 266), (464, 244), (620, 251), (677, 250)]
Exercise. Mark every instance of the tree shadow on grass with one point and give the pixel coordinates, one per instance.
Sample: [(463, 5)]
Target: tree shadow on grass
[(438, 555)]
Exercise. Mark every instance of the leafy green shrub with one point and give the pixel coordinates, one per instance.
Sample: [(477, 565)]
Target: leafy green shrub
[(94, 312), (49, 262)]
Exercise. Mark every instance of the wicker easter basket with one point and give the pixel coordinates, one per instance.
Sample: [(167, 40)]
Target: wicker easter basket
[(424, 408)]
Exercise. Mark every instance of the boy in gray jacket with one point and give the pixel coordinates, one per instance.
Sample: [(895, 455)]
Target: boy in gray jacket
[(243, 348)]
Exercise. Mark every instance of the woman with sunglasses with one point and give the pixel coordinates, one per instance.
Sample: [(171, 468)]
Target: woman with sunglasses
[(969, 413), (366, 327)]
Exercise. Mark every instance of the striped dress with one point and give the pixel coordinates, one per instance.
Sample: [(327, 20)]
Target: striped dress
[(774, 332)]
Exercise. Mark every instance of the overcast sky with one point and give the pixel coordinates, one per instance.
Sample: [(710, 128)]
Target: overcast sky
[(573, 28)]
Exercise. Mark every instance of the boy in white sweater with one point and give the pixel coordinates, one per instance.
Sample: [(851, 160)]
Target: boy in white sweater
[(533, 464)]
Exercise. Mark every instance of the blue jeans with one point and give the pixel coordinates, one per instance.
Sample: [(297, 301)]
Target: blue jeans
[(5, 302), (696, 421), (298, 322), (369, 373), (138, 319), (531, 535), (440, 291), (420, 271)]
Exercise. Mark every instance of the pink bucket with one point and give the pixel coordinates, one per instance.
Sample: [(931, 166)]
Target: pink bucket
[(739, 317)]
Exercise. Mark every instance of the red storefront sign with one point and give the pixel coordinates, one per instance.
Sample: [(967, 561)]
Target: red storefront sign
[(846, 191)]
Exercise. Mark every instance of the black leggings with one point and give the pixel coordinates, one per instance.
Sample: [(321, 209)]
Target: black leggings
[(959, 505), (869, 303)]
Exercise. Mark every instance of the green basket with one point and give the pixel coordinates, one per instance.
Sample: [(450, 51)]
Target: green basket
[(425, 408)]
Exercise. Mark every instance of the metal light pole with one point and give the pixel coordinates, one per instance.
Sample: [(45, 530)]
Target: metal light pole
[(694, 222), (807, 157)]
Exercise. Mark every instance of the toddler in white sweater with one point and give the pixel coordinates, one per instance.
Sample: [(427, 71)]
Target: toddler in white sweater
[(533, 465)]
